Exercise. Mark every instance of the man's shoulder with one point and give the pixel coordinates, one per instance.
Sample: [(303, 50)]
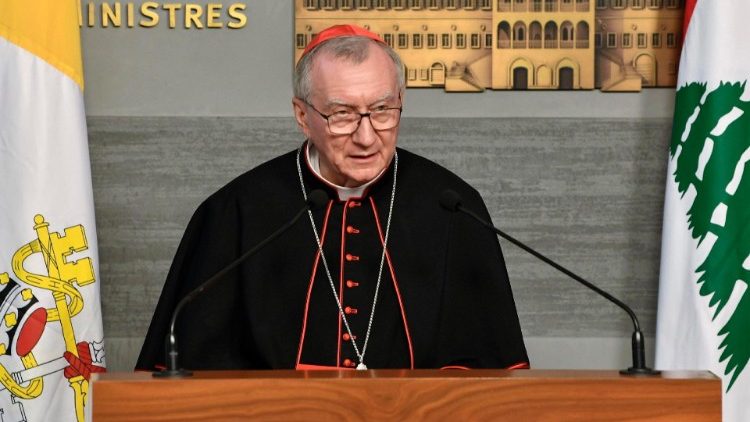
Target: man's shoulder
[(270, 178), (429, 176)]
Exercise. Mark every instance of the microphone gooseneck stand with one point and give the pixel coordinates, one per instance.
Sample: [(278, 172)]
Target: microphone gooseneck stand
[(451, 201), (315, 200)]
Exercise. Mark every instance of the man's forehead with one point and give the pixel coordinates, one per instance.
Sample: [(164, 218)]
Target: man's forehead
[(386, 97), (336, 80)]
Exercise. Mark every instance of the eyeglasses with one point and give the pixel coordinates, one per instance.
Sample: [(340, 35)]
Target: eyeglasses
[(346, 122)]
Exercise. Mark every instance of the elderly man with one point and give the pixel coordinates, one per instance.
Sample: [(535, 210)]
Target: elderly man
[(401, 282)]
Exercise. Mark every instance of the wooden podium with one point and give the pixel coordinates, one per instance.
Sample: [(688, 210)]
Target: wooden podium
[(401, 395)]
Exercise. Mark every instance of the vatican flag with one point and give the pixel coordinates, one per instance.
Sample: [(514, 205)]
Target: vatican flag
[(704, 305), (50, 316)]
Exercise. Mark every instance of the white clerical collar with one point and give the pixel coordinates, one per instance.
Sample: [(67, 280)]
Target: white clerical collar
[(345, 193)]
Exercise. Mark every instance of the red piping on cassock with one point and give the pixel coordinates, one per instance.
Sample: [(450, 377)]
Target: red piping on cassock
[(312, 280), (395, 283)]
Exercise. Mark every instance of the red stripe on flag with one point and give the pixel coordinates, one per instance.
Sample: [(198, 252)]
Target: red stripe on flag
[(689, 7)]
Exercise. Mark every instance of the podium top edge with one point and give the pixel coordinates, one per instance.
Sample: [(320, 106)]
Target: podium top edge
[(407, 373)]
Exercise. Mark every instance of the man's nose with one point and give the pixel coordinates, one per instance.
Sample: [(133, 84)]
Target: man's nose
[(365, 135)]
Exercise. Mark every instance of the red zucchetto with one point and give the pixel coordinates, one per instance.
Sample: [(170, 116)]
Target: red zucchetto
[(337, 31)]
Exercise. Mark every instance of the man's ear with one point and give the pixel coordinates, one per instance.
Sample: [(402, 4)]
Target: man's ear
[(300, 114)]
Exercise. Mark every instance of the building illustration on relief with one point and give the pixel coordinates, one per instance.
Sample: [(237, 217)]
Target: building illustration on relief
[(473, 45)]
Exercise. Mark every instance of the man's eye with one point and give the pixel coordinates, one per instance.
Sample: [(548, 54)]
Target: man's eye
[(380, 109), (343, 113)]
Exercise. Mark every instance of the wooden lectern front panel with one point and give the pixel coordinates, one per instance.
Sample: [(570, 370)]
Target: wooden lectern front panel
[(398, 395)]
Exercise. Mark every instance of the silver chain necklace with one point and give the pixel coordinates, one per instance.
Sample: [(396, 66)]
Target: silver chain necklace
[(360, 356)]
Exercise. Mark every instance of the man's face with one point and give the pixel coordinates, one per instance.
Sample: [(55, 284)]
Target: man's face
[(355, 159)]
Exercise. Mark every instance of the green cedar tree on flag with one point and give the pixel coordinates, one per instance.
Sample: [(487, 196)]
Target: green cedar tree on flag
[(704, 306), (51, 339)]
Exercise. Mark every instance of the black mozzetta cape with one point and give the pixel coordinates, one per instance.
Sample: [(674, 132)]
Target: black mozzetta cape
[(444, 298)]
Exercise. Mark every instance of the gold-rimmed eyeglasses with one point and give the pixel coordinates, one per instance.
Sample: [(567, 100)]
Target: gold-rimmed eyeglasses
[(346, 122)]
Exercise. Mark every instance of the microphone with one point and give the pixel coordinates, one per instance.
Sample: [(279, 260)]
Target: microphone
[(451, 201), (315, 200)]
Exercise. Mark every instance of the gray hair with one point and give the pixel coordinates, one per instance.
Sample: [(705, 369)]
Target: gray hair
[(353, 49)]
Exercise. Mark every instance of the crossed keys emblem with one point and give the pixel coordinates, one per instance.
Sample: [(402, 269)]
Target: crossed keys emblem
[(64, 276)]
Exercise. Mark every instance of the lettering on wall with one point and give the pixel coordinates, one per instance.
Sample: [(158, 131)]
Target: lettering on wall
[(151, 14)]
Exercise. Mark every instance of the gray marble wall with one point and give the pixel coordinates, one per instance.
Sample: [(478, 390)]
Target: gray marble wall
[(587, 192)]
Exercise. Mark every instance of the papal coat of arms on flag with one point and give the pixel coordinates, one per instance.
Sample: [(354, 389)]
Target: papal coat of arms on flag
[(704, 305), (25, 318), (51, 338)]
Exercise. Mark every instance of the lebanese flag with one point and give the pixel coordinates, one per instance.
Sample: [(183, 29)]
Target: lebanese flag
[(50, 315), (704, 306)]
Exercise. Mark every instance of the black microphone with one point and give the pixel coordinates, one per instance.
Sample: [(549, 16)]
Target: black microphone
[(451, 201), (315, 200)]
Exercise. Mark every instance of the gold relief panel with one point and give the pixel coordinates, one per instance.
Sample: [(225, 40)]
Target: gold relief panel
[(472, 45)]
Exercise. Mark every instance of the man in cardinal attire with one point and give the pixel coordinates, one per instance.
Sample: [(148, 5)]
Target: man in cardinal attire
[(380, 277)]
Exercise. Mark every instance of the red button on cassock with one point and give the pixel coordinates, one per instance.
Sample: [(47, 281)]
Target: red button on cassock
[(349, 257), (350, 283), (349, 310), (351, 230), (346, 337), (353, 204), (349, 363)]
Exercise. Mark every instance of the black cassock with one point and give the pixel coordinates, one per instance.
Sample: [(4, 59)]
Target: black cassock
[(444, 297)]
